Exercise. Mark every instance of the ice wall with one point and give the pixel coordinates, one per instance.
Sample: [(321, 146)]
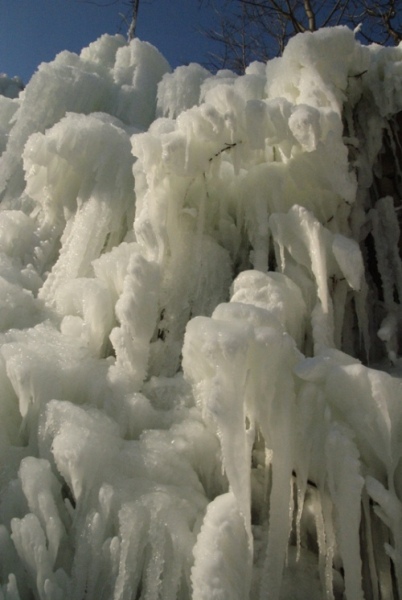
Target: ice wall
[(200, 285)]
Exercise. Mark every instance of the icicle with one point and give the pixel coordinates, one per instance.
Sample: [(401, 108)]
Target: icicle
[(41, 488), (9, 590), (222, 348), (330, 545), (386, 235), (361, 300), (307, 242), (310, 406), (345, 485), (388, 333), (369, 547), (391, 514), (275, 415), (316, 509), (395, 143), (30, 543)]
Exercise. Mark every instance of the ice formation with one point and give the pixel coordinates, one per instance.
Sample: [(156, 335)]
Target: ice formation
[(200, 284)]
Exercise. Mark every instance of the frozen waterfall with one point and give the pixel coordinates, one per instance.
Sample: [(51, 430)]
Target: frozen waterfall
[(201, 327)]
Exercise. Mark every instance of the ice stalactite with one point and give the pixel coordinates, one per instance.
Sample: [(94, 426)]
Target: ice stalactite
[(200, 283)]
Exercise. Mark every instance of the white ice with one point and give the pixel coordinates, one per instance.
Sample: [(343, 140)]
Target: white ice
[(200, 287)]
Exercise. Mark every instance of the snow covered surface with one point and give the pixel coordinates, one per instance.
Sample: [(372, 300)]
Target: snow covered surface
[(200, 283)]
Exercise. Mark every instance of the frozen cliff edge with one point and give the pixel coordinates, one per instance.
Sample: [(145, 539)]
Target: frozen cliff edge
[(200, 298)]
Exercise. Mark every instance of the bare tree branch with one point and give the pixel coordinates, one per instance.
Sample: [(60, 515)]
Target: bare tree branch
[(260, 29), (100, 4), (130, 18), (310, 15), (134, 17)]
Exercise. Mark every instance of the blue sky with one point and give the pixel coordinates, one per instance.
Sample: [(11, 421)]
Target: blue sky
[(33, 31)]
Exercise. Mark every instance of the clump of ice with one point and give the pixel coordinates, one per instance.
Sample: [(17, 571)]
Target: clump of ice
[(180, 90), (196, 274), (107, 77)]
